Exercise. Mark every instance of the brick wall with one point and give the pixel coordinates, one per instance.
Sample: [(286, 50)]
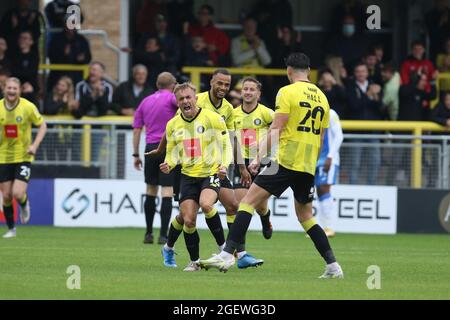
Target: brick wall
[(103, 15)]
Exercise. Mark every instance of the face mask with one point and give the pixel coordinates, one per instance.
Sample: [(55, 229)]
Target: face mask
[(348, 29)]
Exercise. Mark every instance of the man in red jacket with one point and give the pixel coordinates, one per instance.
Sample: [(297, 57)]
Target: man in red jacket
[(417, 63), (217, 41)]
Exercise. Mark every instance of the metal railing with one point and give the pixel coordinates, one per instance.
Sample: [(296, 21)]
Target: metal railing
[(411, 138), (417, 130), (196, 72)]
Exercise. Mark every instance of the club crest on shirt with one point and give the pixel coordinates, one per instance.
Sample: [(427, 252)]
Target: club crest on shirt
[(201, 129), (19, 119), (257, 122)]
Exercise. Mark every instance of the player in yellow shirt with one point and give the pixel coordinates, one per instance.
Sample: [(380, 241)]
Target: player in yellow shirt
[(17, 115), (198, 140), (251, 121), (301, 116), (214, 100)]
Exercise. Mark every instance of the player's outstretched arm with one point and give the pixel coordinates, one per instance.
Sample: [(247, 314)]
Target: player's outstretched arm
[(160, 150)]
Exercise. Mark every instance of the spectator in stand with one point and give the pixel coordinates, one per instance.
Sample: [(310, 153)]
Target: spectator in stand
[(5, 61), (197, 54), (146, 16), (417, 63), (443, 65), (4, 75), (441, 113), (25, 66), (364, 103), (289, 41), (153, 57), (391, 87), (270, 15), (95, 97), (56, 13), (349, 44), (60, 101), (68, 47), (346, 8), (217, 41), (180, 12), (335, 93), (248, 49), (94, 94), (336, 65), (19, 19), (170, 44), (414, 106), (438, 25), (235, 95), (129, 94), (415, 98), (379, 53), (370, 59)]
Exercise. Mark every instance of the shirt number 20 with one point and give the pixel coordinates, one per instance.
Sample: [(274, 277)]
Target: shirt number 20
[(313, 115)]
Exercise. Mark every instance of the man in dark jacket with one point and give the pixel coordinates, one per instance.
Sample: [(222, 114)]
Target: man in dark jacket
[(364, 103), (68, 47), (129, 94), (415, 99)]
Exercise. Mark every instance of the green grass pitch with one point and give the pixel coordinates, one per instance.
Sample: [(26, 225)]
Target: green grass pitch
[(116, 265)]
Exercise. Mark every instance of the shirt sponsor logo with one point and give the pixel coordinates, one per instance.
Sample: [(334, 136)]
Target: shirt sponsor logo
[(192, 148), (248, 136), (11, 131)]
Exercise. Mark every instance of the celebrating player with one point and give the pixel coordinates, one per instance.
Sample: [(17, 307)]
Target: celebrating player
[(302, 114), (327, 171), (17, 115), (198, 140), (251, 121)]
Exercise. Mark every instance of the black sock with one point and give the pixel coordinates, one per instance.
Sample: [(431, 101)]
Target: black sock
[(192, 243), (229, 228), (149, 209), (175, 230), (9, 216), (321, 243), (166, 213), (265, 220), (236, 236), (215, 226)]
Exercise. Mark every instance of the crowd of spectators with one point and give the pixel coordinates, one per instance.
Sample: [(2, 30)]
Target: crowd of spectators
[(357, 80)]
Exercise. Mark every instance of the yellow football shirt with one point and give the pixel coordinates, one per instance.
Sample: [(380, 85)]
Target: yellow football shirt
[(309, 115), (200, 145), (250, 127), (15, 126), (225, 108)]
